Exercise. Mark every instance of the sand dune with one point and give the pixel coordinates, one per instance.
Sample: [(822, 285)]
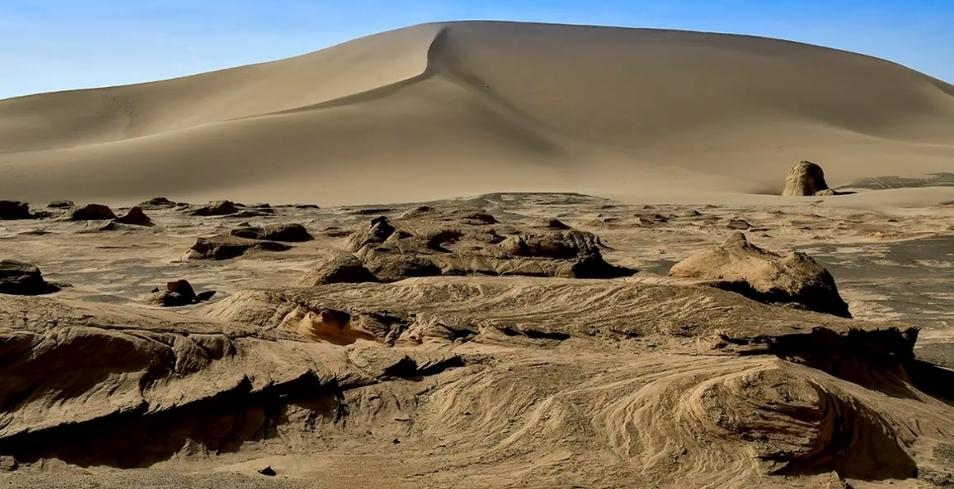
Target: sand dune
[(462, 108)]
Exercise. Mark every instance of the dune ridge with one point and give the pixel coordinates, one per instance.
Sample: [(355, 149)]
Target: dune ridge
[(468, 107)]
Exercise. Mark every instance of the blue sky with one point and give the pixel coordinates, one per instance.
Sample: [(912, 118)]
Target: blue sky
[(60, 44)]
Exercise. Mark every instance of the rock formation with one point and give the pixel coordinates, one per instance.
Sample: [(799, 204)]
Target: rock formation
[(18, 278), (806, 179), (11, 209), (291, 232), (217, 208), (135, 217), (742, 267), (92, 212), (157, 203), (178, 293), (223, 247), (337, 266)]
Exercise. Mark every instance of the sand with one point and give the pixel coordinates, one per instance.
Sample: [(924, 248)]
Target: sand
[(419, 332), (450, 109)]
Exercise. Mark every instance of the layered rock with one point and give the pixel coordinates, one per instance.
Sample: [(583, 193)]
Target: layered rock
[(740, 266), (18, 278), (291, 232), (135, 217), (223, 247), (13, 210), (806, 179), (337, 266), (92, 212)]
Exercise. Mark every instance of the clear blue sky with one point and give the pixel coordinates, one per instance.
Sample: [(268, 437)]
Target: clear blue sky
[(59, 44)]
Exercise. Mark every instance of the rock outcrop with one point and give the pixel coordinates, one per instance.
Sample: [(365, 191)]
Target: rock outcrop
[(223, 247), (217, 208), (92, 212), (18, 278), (135, 217), (277, 232), (12, 209), (806, 179), (742, 267), (178, 293), (157, 203), (337, 266)]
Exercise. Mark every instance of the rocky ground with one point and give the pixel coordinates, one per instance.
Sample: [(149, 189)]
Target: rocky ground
[(508, 340)]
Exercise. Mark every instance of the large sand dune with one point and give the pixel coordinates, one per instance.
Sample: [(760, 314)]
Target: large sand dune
[(458, 108)]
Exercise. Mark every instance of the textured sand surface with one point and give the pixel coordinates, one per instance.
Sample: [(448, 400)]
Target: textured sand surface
[(462, 108), (466, 379)]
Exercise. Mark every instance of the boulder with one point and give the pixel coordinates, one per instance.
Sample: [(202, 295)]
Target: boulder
[(558, 245), (136, 217), (337, 266), (276, 232), (178, 293), (92, 212), (806, 179), (391, 267), (794, 279), (12, 209), (217, 208), (378, 230), (18, 278), (60, 204), (223, 247), (156, 203)]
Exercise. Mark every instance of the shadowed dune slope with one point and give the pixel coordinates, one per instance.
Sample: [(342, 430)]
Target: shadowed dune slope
[(468, 107)]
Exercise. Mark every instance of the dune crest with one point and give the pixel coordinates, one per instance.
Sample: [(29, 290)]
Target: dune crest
[(467, 107)]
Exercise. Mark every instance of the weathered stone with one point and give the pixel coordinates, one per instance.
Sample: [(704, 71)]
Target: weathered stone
[(92, 212), (18, 278), (337, 266), (806, 179), (742, 267)]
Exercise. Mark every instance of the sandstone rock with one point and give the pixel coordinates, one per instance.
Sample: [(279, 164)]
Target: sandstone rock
[(178, 293), (806, 179), (276, 232), (378, 230), (557, 224), (562, 245), (391, 267), (136, 217), (92, 212), (8, 463), (60, 204), (11, 209), (217, 208), (156, 203), (18, 278), (223, 247), (740, 224), (764, 276), (337, 266)]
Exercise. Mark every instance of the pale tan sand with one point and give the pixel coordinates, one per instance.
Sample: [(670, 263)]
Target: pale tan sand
[(461, 108)]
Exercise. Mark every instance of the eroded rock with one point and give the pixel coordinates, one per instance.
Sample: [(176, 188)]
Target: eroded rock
[(740, 266), (135, 217), (806, 179), (18, 278), (276, 232), (178, 293), (92, 212), (13, 210), (216, 208), (223, 247), (337, 266)]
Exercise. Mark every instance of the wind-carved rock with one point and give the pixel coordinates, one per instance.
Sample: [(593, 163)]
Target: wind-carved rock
[(806, 179)]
